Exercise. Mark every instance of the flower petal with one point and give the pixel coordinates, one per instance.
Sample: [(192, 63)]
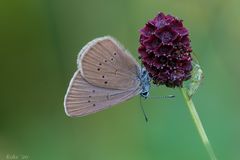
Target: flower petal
[(166, 35)]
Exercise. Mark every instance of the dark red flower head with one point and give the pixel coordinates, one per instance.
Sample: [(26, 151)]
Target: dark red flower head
[(165, 50)]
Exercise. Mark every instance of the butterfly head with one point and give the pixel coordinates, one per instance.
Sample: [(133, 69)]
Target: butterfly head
[(145, 83)]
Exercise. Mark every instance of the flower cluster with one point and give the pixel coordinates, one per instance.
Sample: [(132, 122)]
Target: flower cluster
[(165, 50)]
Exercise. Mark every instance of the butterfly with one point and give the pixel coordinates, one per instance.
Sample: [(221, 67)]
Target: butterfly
[(106, 75)]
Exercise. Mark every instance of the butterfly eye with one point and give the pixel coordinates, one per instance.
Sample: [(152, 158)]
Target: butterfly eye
[(144, 94)]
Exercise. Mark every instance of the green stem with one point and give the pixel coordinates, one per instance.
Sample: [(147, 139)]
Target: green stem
[(198, 124)]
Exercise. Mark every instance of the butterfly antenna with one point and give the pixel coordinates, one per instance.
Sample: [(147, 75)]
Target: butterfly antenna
[(168, 96), (145, 115)]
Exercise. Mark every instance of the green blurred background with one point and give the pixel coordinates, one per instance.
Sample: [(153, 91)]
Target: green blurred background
[(39, 42)]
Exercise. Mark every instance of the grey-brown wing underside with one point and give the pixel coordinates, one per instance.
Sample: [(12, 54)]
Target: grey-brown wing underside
[(83, 98), (105, 63)]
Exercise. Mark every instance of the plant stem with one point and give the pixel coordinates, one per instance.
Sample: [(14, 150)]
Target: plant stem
[(198, 124)]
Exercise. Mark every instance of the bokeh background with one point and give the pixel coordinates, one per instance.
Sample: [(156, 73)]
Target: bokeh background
[(39, 42)]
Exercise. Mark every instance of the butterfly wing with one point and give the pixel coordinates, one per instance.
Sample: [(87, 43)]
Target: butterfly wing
[(104, 63), (83, 98)]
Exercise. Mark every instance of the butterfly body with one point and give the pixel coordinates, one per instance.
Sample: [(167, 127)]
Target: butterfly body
[(145, 83), (107, 75)]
